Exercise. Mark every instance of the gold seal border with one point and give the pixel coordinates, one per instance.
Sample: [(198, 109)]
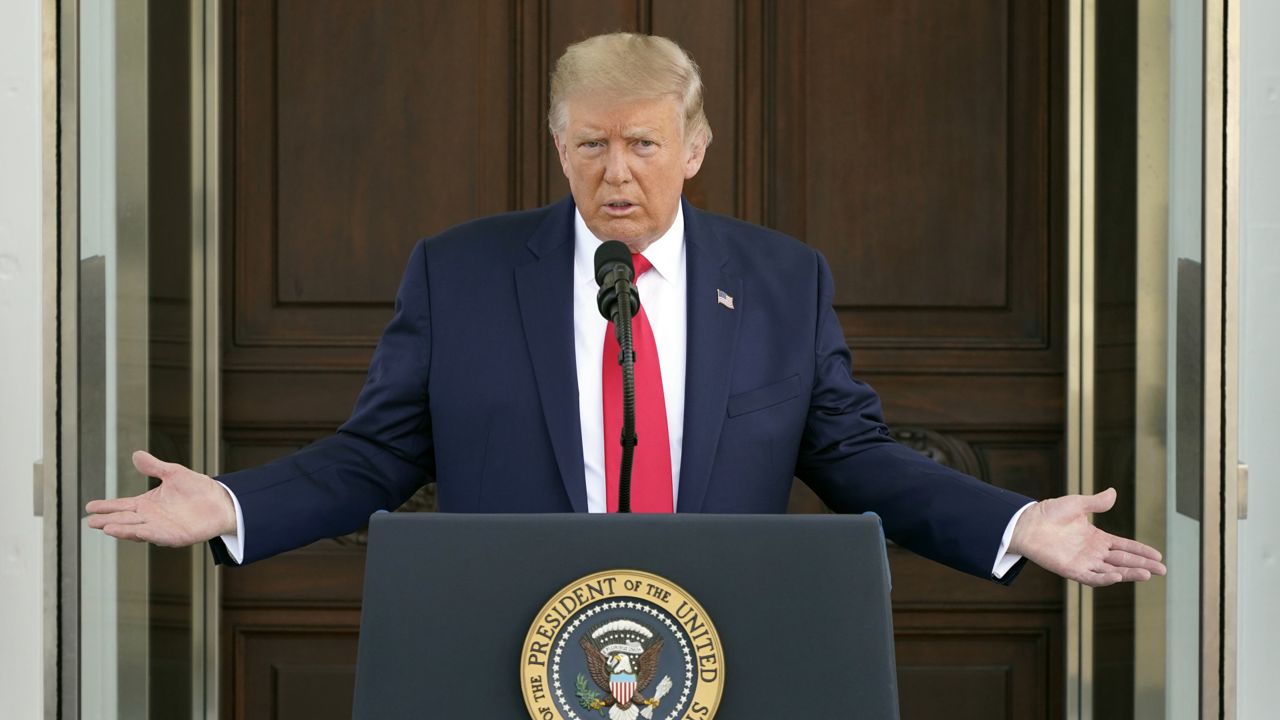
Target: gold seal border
[(708, 694)]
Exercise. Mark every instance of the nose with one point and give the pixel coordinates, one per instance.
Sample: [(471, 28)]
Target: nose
[(616, 169)]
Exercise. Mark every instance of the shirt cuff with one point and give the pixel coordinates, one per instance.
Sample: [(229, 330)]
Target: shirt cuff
[(235, 541), (1005, 560)]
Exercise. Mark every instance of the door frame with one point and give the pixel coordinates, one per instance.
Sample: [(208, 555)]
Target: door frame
[(1220, 248)]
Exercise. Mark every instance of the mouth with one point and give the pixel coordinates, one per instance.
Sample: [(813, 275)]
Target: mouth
[(619, 207)]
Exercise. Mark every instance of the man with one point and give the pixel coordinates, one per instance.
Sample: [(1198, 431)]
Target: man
[(496, 378)]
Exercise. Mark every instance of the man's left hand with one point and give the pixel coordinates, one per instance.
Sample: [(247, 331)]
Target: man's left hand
[(1056, 535)]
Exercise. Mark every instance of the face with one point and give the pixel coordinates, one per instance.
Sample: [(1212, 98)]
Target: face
[(626, 162)]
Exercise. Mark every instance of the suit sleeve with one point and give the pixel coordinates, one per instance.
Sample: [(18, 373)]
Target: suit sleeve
[(377, 459), (849, 459)]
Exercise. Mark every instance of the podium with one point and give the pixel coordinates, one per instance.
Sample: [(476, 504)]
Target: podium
[(609, 616)]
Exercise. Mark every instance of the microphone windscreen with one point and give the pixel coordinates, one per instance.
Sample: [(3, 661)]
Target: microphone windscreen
[(610, 252)]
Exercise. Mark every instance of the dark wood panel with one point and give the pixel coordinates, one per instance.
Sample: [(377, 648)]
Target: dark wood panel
[(973, 354), (340, 141), (963, 665), (980, 692), (247, 448), (1031, 465), (949, 401), (282, 397), (294, 645), (572, 20), (358, 114), (895, 155), (934, 115), (312, 690)]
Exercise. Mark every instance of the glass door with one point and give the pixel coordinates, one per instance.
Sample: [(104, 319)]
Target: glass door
[(1148, 278), (136, 290)]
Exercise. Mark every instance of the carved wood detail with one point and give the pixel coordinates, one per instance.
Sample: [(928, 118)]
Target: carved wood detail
[(941, 448)]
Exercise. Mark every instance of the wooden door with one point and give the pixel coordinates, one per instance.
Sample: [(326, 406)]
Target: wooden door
[(918, 144)]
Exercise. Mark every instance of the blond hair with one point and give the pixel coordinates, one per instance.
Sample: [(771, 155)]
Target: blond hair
[(629, 66)]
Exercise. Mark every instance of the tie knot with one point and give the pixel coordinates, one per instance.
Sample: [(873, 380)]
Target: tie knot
[(641, 263)]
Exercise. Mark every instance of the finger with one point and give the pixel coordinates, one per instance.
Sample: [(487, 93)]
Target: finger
[(1101, 502), (1101, 579), (127, 517), (1122, 559), (110, 505), (125, 532), (152, 466), (1123, 574), (1135, 547), (1129, 574)]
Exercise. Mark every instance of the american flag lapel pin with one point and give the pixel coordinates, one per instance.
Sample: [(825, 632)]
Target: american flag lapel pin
[(724, 298)]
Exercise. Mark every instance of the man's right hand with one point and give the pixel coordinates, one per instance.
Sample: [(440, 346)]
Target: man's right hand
[(187, 508)]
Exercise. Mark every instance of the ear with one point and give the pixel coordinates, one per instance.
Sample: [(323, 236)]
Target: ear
[(562, 151), (694, 156)]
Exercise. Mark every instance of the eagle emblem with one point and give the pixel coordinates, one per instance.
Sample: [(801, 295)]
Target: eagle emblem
[(649, 651), (622, 657)]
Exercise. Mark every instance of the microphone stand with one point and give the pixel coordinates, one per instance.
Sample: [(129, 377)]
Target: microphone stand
[(627, 359)]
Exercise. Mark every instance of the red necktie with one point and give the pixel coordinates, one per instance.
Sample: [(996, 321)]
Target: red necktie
[(651, 465)]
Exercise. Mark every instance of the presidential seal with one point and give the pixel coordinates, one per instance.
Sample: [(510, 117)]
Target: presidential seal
[(622, 645)]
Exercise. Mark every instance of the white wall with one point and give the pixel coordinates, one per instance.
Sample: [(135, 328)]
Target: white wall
[(1259, 586), (21, 617)]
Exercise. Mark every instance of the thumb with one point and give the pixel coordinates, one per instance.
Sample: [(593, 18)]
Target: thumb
[(1101, 502), (150, 465)]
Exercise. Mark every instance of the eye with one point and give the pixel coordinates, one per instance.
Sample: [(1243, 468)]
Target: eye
[(591, 144), (645, 147)]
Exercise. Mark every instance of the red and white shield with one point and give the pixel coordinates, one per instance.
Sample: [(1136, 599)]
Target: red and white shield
[(622, 687)]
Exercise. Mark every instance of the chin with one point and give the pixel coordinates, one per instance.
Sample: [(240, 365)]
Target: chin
[(626, 232)]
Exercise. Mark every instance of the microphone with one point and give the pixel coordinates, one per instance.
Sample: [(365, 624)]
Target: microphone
[(614, 272), (619, 301)]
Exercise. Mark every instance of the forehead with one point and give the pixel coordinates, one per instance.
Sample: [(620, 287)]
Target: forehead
[(603, 113)]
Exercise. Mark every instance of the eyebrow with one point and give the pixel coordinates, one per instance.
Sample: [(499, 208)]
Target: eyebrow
[(635, 133), (641, 133)]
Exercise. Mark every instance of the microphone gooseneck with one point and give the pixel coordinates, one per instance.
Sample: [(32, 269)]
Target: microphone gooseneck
[(619, 301)]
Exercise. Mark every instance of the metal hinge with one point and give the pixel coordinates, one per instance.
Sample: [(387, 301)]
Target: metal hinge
[(1242, 491)]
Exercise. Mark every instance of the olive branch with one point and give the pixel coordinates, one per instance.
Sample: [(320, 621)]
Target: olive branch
[(588, 698)]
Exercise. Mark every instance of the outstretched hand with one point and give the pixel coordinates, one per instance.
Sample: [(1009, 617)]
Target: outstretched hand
[(186, 508), (1056, 535)]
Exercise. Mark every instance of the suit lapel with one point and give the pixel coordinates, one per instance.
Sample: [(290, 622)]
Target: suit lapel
[(545, 290), (711, 343)]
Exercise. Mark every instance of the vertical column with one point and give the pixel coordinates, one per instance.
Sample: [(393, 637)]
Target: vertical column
[(1080, 340), (1151, 350)]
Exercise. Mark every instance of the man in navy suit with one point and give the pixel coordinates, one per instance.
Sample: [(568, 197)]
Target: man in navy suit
[(494, 377)]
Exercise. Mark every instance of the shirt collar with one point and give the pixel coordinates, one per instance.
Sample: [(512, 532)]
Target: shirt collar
[(664, 254)]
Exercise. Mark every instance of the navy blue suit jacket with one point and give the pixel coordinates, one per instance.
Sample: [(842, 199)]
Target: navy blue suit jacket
[(474, 386)]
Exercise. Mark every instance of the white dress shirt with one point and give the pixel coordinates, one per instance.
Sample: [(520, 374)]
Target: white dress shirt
[(664, 299)]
